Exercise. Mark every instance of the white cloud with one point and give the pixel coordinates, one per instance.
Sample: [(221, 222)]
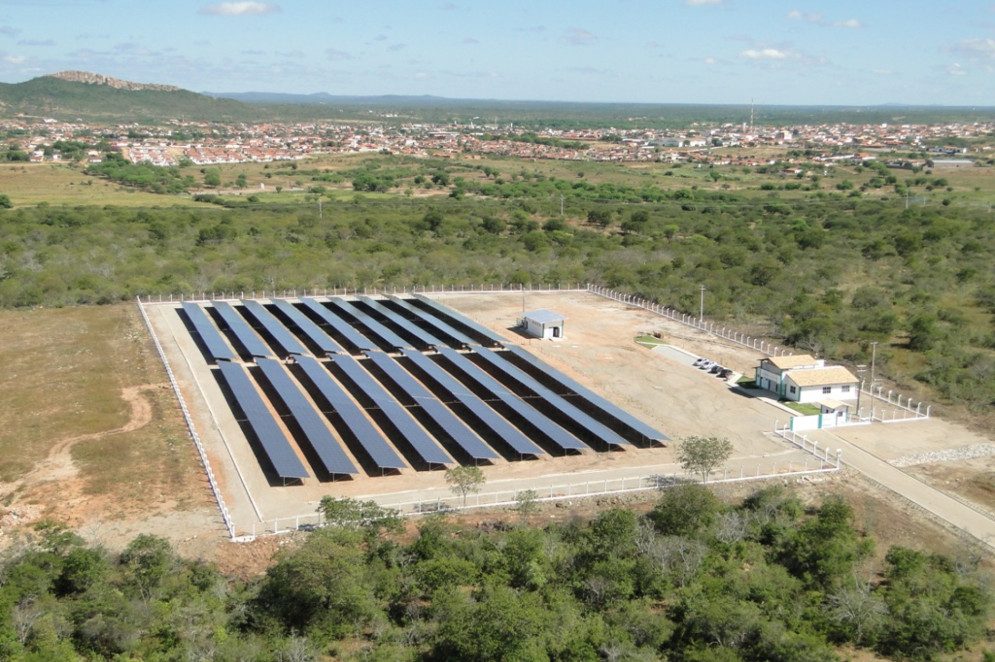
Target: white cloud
[(818, 19), (14, 59), (578, 37), (811, 17), (882, 72), (956, 70), (765, 54), (978, 49), (710, 60), (240, 9), (701, 3), (336, 55)]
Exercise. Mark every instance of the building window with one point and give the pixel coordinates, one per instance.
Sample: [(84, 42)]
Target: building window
[(826, 390), (791, 389), (846, 389)]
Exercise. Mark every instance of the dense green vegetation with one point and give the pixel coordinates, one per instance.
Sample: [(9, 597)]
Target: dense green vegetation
[(692, 580), (825, 270)]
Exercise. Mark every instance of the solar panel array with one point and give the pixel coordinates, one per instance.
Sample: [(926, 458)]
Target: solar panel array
[(272, 439), (403, 383), (215, 343)]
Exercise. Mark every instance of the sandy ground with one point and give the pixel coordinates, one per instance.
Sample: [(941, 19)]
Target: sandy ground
[(599, 350)]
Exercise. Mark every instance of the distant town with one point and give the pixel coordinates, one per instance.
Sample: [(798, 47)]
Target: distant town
[(200, 143)]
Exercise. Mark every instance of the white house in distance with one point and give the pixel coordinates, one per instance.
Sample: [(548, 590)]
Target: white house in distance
[(803, 378), (544, 324)]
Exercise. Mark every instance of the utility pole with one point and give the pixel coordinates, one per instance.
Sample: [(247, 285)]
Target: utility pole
[(701, 307), (874, 352)]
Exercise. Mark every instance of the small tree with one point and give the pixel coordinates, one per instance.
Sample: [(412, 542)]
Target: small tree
[(464, 480), (526, 503), (700, 455)]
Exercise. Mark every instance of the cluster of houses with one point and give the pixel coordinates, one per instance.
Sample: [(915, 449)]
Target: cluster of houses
[(220, 143)]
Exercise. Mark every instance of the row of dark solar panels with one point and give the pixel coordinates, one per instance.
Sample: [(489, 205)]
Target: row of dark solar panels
[(466, 401)]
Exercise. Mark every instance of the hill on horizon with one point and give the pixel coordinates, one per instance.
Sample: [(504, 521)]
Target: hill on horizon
[(80, 95)]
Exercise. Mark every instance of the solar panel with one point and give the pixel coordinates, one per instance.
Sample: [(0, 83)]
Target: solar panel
[(274, 443), (242, 330), (457, 430), (423, 444), (280, 333), (345, 329), (308, 328), (423, 336), (311, 422), (352, 415), (446, 329), (590, 396), (375, 328), (444, 311), (535, 418), (600, 430), (505, 430), (209, 334)]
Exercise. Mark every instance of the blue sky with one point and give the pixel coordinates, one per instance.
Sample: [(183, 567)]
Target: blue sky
[(659, 51)]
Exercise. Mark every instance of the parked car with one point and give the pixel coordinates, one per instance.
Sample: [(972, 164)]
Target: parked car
[(724, 373), (706, 364), (698, 361), (714, 369)]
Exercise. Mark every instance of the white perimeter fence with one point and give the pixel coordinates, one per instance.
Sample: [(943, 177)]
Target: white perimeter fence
[(821, 462), (762, 346), (364, 291), (225, 515)]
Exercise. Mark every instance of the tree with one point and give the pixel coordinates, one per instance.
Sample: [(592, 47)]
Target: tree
[(212, 177), (5, 202), (700, 455), (526, 503), (464, 480)]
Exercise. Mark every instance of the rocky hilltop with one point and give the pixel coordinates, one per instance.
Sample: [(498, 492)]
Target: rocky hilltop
[(98, 79)]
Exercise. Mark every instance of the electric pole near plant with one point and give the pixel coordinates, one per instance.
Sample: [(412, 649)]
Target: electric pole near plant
[(874, 353), (701, 306)]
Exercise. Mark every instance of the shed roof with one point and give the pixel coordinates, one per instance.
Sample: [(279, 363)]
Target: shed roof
[(789, 362), (543, 316), (821, 376)]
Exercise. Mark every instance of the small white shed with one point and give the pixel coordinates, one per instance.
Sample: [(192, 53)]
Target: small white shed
[(544, 324)]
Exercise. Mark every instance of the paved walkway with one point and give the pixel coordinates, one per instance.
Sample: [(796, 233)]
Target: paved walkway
[(960, 515)]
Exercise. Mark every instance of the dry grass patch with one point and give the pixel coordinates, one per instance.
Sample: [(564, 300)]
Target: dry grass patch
[(29, 184), (65, 372)]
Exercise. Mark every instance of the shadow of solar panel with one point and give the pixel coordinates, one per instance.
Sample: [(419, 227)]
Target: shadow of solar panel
[(341, 327), (603, 432), (421, 335), (307, 327), (533, 417), (281, 334), (439, 310), (456, 429), (458, 336), (426, 447), (369, 437), (312, 423), (243, 332), (209, 334), (374, 328), (505, 430), (590, 396), (274, 443)]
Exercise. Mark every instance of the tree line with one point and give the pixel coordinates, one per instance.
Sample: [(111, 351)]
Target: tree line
[(691, 580)]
